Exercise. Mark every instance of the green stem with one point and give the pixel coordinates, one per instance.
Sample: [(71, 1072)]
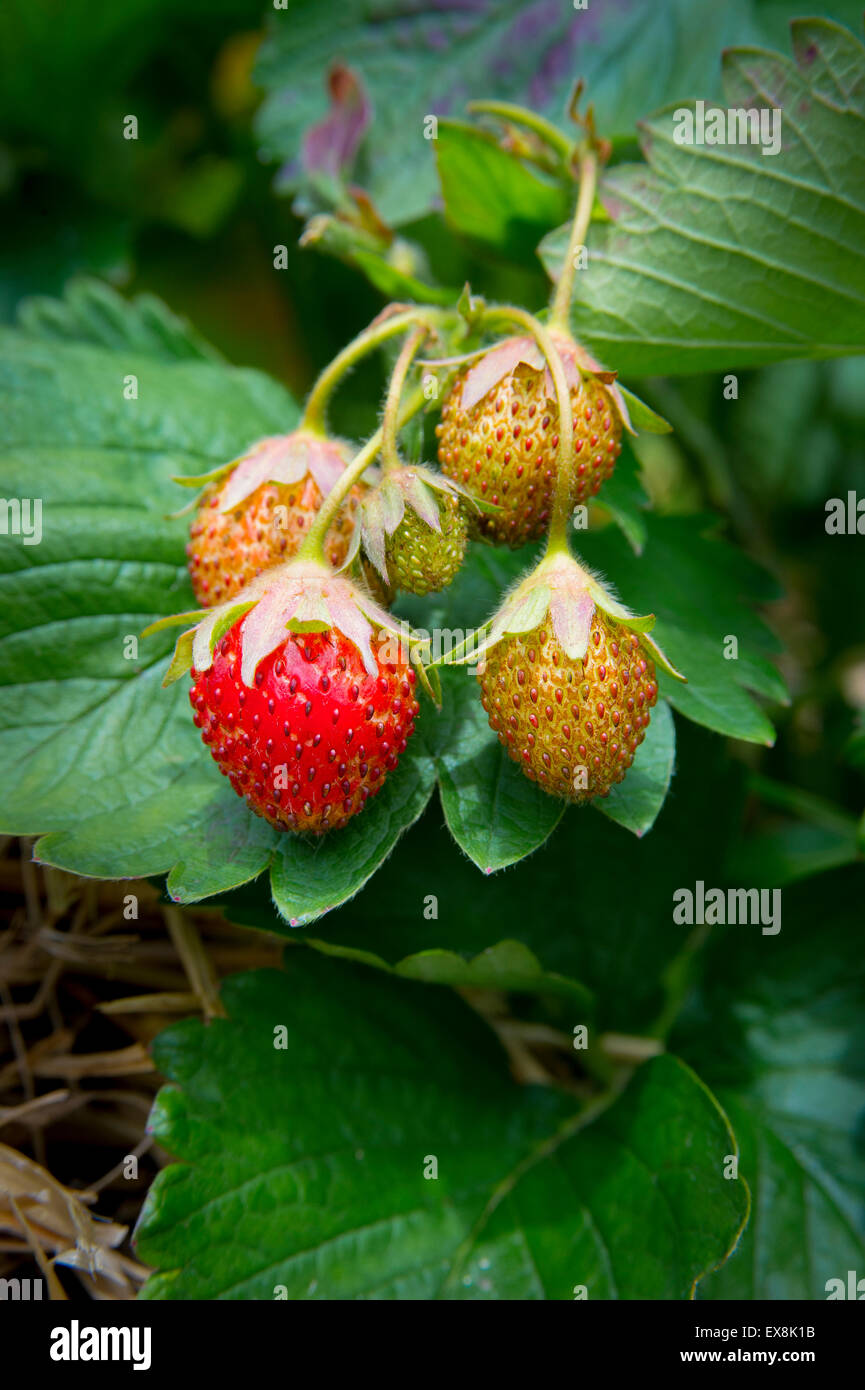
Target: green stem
[(390, 419), (313, 545), (559, 309), (551, 134), (557, 539), (372, 337)]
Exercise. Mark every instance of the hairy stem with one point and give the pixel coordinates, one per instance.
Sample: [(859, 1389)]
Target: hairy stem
[(313, 545), (372, 337), (530, 120), (390, 421), (557, 539), (560, 307)]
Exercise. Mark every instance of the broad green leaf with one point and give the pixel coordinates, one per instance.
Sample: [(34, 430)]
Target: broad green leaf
[(699, 587), (415, 62), (493, 196), (642, 416), (632, 1169), (227, 845), (725, 256), (591, 909), (92, 313), (337, 1199), (95, 752), (509, 965), (797, 851), (396, 284), (777, 1029)]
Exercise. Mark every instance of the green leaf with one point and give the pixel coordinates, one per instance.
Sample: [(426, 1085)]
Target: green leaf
[(227, 845), (642, 416), (777, 1029), (634, 1168), (782, 856), (528, 1198), (509, 965), (91, 312), (636, 802), (590, 910), (723, 256), (418, 61), (397, 284), (493, 196), (697, 587), (493, 812)]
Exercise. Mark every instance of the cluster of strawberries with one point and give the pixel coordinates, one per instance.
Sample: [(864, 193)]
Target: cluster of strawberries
[(302, 686)]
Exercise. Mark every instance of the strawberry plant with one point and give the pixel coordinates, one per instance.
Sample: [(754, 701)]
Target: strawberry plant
[(516, 580)]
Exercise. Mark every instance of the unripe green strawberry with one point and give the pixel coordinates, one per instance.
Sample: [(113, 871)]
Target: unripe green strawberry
[(414, 529), (567, 678), (257, 512), (422, 560), (499, 434), (572, 725)]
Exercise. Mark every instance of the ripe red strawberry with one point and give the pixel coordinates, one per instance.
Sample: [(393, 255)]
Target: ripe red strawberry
[(499, 434), (258, 513), (306, 724), (568, 680)]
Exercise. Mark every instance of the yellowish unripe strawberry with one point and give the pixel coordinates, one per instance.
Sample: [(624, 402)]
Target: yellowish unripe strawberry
[(499, 434), (568, 681)]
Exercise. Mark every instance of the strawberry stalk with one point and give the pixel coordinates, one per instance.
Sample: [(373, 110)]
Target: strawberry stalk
[(313, 545), (529, 120), (560, 307), (557, 539), (372, 337), (391, 418)]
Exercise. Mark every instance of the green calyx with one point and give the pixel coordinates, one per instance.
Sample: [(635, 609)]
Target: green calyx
[(414, 528), (298, 596), (563, 593)]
